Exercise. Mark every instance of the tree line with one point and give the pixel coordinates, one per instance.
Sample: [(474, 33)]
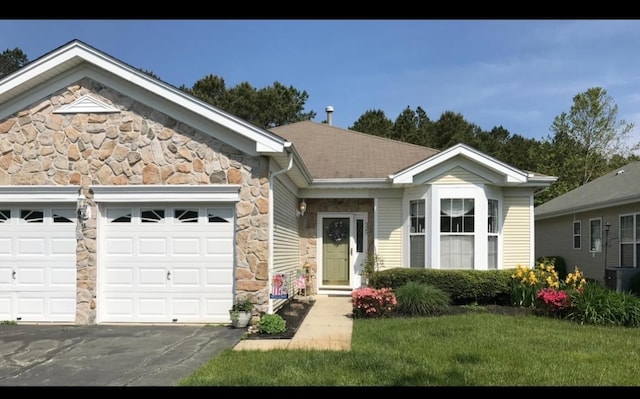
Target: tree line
[(584, 143)]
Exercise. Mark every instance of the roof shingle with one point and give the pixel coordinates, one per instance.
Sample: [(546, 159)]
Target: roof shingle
[(330, 152)]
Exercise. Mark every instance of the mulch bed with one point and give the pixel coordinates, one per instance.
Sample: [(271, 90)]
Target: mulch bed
[(293, 312)]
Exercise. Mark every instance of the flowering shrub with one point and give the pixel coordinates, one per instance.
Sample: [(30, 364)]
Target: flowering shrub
[(552, 302), (575, 280), (527, 282), (371, 302)]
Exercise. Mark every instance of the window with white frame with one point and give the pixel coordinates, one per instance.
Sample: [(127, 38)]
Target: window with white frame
[(416, 234), (457, 233), (492, 231), (595, 235), (630, 240), (577, 234)]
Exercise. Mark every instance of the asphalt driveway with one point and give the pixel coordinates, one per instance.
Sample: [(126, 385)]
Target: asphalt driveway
[(108, 355)]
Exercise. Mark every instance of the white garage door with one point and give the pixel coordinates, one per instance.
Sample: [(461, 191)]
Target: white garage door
[(37, 263), (167, 264)]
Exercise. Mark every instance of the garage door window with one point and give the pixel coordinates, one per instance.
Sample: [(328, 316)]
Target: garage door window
[(185, 215), (220, 215), (5, 215), (62, 215), (31, 215), (152, 216)]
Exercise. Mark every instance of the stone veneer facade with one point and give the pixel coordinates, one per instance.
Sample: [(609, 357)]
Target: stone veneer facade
[(135, 146)]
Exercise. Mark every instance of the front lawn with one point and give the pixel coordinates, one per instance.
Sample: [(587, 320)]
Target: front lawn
[(473, 349)]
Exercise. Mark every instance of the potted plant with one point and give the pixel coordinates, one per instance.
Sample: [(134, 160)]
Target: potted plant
[(241, 313)]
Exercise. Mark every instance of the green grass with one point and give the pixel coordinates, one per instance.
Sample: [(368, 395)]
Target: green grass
[(475, 349)]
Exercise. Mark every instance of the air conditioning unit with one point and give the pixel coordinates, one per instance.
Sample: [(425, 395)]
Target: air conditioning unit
[(619, 278)]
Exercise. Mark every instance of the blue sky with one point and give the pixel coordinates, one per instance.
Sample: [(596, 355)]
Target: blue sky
[(518, 74)]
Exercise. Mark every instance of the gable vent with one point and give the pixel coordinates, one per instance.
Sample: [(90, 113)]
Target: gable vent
[(86, 105)]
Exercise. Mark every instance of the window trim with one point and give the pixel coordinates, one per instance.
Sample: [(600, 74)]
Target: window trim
[(578, 235), (496, 234), (634, 242), (421, 233), (591, 235)]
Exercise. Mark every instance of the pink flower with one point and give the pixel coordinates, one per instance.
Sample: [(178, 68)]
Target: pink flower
[(370, 302), (552, 300)]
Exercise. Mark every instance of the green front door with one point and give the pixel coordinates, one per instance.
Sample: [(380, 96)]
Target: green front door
[(335, 251)]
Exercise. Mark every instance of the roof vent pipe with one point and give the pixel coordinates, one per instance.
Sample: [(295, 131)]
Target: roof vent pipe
[(329, 110)]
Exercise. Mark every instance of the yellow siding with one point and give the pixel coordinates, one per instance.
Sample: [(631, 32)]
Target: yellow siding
[(459, 175), (516, 232), (285, 235), (390, 232)]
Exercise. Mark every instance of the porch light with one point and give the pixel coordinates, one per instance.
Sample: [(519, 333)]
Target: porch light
[(301, 208), (84, 211)]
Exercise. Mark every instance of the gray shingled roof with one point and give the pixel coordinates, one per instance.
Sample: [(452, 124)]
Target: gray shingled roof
[(615, 188), (330, 152)]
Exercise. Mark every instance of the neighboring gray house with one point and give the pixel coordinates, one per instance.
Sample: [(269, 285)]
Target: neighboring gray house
[(595, 227), (125, 200)]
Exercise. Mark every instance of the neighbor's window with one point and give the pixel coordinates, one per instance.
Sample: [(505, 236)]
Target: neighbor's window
[(595, 235), (492, 237), (457, 225), (577, 234), (416, 233), (630, 240)]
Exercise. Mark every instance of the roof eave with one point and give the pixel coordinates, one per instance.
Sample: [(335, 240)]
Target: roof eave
[(591, 207), (75, 53)]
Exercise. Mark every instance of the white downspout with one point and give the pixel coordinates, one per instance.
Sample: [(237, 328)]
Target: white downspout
[(271, 222)]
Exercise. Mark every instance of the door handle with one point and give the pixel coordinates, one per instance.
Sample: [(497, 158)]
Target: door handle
[(13, 274), (168, 275)]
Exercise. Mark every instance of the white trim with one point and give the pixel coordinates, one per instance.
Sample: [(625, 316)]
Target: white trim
[(376, 225), (354, 279), (38, 193), (598, 249), (512, 175), (71, 56), (167, 193), (86, 104)]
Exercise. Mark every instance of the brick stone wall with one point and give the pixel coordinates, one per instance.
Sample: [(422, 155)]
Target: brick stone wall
[(137, 145)]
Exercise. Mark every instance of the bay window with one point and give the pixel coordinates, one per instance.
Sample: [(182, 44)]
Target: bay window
[(416, 234), (457, 227), (492, 234)]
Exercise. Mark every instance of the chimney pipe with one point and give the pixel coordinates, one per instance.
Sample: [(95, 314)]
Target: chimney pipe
[(329, 110)]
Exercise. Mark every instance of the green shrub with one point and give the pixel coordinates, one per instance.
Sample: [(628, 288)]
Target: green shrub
[(419, 299), (598, 305), (272, 324), (463, 286)]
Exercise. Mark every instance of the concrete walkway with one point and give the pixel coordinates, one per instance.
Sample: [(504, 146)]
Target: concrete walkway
[(327, 326)]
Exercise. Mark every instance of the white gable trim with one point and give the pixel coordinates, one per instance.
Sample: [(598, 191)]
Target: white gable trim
[(167, 193), (446, 167), (50, 66), (86, 104), (38, 193), (512, 175)]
